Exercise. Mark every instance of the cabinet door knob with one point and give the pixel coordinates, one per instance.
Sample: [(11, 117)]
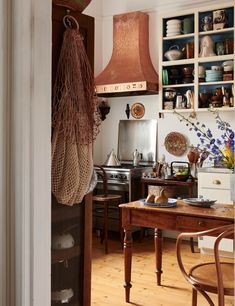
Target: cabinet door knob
[(216, 182), (200, 223)]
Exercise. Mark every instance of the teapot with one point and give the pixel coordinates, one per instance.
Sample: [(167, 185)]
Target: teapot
[(136, 158), (173, 53)]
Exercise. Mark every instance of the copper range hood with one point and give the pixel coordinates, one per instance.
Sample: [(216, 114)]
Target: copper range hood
[(130, 70)]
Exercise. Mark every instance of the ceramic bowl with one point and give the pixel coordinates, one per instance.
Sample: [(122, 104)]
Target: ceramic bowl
[(169, 94), (174, 22)]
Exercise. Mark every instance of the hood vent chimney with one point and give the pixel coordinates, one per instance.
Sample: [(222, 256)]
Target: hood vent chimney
[(130, 70)]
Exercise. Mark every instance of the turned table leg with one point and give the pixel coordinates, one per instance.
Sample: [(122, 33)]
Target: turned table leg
[(127, 262), (158, 253)]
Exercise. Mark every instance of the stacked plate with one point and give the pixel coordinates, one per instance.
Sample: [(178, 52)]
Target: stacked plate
[(214, 75), (165, 79), (173, 27)]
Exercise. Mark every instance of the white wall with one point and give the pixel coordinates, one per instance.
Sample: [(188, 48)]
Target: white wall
[(108, 136)]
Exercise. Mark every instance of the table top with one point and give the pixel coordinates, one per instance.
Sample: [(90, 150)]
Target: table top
[(216, 211)]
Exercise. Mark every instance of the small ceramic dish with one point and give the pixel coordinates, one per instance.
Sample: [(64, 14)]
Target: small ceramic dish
[(200, 202)]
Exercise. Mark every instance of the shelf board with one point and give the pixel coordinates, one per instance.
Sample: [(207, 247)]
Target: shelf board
[(197, 110), (178, 85), (221, 109), (216, 31), (178, 36), (215, 83), (180, 110), (61, 255), (216, 58), (66, 213), (178, 62)]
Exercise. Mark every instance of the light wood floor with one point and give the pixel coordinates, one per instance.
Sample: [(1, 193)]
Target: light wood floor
[(108, 276)]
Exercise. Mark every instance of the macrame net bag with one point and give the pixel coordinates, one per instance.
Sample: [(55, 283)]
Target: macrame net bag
[(75, 121)]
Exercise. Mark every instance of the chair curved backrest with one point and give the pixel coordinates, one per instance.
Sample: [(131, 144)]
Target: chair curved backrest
[(226, 231), (104, 178)]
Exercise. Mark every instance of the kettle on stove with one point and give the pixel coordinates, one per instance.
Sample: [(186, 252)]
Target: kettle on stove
[(112, 160)]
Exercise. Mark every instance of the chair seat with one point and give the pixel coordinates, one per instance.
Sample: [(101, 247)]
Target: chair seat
[(104, 198), (205, 276)]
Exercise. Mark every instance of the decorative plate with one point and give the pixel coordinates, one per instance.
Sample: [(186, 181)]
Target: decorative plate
[(200, 202), (175, 143), (137, 110), (171, 203)]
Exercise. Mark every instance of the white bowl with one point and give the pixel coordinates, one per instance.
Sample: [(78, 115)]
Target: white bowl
[(174, 21), (228, 63), (228, 68), (170, 27), (62, 241), (62, 296), (173, 30), (172, 35)]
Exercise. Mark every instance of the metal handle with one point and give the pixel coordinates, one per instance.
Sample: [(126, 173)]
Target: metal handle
[(216, 182)]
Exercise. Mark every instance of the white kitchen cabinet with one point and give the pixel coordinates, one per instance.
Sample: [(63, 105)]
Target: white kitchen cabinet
[(173, 73), (216, 184)]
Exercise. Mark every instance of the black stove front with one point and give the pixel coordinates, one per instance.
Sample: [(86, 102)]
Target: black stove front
[(124, 180)]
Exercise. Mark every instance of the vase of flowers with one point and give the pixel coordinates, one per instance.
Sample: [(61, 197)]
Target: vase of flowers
[(219, 148)]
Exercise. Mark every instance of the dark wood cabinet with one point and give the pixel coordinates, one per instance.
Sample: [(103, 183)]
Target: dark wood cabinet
[(71, 266)]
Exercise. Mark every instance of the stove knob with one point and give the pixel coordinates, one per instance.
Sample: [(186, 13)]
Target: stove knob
[(116, 176), (111, 175), (124, 177)]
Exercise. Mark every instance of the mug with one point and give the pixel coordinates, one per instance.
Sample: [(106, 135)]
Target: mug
[(207, 19), (219, 19), (219, 16), (188, 25), (219, 48), (201, 71), (206, 24)]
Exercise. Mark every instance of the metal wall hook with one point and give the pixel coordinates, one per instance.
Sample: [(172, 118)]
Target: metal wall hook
[(68, 21)]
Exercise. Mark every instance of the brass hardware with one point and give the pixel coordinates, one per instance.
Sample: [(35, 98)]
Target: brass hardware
[(216, 182), (200, 223)]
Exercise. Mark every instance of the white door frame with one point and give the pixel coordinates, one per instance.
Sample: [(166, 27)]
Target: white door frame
[(25, 113)]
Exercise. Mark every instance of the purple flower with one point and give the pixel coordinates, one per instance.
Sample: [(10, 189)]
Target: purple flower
[(214, 145)]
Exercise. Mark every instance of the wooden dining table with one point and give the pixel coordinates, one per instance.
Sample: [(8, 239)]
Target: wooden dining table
[(181, 218)]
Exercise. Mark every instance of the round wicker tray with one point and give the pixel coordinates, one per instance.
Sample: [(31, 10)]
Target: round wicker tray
[(176, 143)]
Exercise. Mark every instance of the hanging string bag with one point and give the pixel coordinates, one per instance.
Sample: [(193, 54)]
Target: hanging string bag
[(75, 121)]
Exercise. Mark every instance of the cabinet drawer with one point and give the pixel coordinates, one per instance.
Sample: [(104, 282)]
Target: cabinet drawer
[(197, 224), (214, 180), (222, 196)]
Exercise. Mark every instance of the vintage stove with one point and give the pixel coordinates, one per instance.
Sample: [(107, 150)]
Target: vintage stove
[(125, 179)]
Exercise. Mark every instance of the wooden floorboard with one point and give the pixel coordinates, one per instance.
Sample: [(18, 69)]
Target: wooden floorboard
[(108, 276)]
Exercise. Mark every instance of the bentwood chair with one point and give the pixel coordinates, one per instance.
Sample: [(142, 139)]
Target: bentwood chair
[(216, 276), (106, 199)]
